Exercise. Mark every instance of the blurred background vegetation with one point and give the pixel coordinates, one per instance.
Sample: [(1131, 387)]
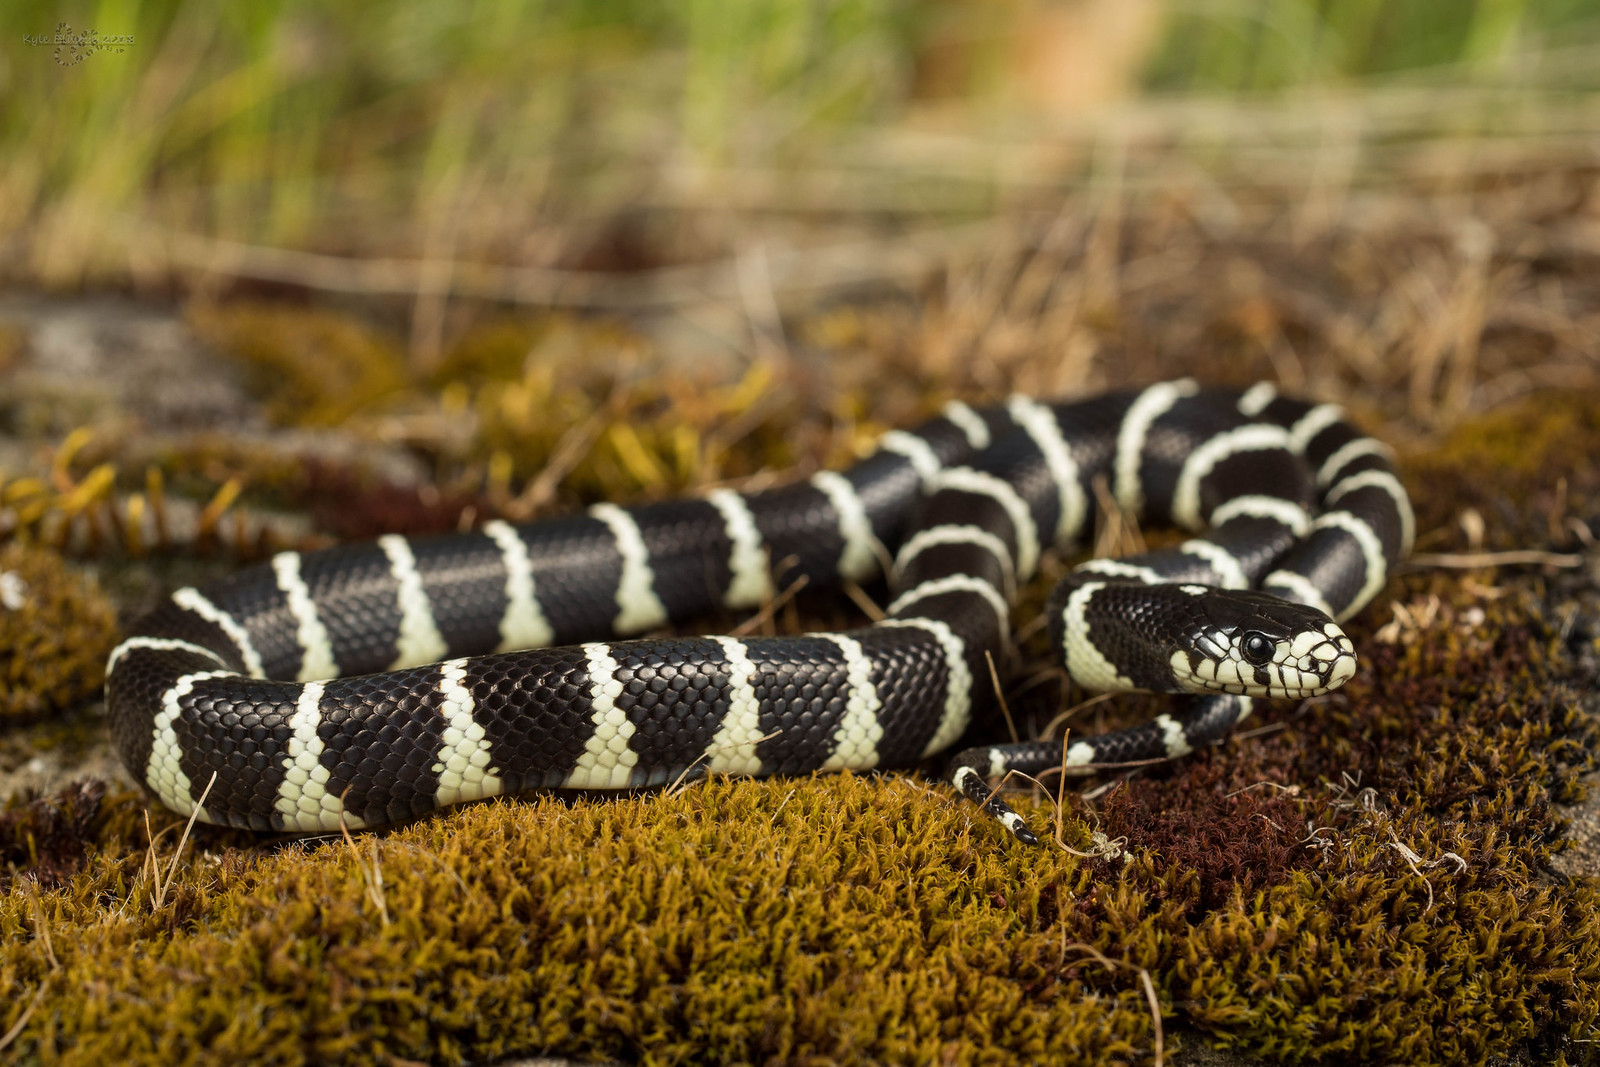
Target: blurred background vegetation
[(616, 135), (1395, 194)]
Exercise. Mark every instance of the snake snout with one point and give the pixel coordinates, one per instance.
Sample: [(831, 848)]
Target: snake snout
[(1323, 659), (1252, 646)]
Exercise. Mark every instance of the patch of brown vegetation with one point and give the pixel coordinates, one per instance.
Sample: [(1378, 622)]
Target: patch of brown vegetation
[(49, 838), (1232, 836)]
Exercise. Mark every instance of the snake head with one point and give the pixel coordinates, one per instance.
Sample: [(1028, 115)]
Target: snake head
[(1257, 645)]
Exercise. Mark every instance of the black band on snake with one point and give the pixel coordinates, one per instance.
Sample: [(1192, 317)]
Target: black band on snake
[(371, 683)]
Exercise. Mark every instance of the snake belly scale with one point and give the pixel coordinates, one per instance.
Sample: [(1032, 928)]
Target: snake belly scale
[(371, 683)]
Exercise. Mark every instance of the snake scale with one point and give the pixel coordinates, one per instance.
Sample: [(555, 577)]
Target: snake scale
[(370, 683)]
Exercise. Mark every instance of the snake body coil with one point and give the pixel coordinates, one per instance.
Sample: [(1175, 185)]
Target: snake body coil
[(370, 683)]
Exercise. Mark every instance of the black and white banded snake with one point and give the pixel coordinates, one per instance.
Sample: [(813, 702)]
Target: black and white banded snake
[(370, 683)]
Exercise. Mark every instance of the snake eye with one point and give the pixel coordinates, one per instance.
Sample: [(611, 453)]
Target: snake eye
[(1257, 647)]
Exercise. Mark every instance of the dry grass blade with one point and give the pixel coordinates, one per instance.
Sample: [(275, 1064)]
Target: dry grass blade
[(1116, 531), (1416, 863), (1144, 978), (1029, 628), (1063, 716), (22, 1020), (674, 788), (770, 609), (1473, 560), (1061, 793), (569, 451), (821, 269), (151, 866), (373, 879), (760, 301), (868, 606), (885, 558), (783, 804), (1106, 787), (437, 861), (1005, 709), (1291, 790), (1260, 731), (164, 882), (1041, 677)]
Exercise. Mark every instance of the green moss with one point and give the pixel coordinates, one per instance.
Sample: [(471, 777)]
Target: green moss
[(313, 368), (56, 630), (819, 920), (1521, 468)]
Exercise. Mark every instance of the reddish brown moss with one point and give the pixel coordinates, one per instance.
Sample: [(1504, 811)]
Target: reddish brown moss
[(351, 507), (49, 838), (1233, 835)]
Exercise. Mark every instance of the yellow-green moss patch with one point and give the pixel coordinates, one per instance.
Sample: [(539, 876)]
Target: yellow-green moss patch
[(830, 919), (55, 632), (313, 367)]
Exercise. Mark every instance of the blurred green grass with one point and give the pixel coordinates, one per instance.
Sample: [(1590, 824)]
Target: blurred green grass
[(1245, 45), (508, 126)]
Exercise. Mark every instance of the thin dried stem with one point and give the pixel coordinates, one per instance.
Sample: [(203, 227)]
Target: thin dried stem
[(672, 790), (868, 606), (770, 609), (164, 882), (1472, 560), (372, 880), (570, 449), (1005, 709), (22, 1020), (1144, 978), (1063, 716)]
